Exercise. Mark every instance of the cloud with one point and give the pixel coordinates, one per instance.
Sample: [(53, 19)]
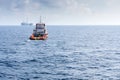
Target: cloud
[(78, 8), (45, 5), (69, 10), (57, 5)]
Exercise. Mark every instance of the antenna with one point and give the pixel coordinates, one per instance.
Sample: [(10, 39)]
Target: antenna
[(27, 20), (40, 19)]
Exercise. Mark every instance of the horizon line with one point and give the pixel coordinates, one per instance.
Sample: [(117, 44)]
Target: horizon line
[(71, 25)]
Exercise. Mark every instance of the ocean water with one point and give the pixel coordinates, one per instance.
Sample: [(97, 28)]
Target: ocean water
[(69, 53)]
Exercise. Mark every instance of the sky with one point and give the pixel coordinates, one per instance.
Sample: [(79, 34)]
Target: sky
[(60, 12)]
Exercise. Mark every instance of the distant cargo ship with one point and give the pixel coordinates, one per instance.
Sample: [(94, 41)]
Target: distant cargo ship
[(26, 24)]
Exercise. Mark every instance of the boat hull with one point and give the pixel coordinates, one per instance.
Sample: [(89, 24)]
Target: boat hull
[(44, 37)]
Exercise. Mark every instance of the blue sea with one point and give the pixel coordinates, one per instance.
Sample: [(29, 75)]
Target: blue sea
[(69, 53)]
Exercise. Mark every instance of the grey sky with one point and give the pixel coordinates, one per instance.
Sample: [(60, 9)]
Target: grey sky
[(61, 12)]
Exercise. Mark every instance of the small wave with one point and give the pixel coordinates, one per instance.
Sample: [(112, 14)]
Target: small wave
[(32, 61), (18, 44), (28, 40), (24, 79), (11, 64), (45, 73), (63, 74), (5, 75), (117, 53), (70, 79)]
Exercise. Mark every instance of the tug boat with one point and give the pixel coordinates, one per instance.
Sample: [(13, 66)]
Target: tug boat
[(40, 32)]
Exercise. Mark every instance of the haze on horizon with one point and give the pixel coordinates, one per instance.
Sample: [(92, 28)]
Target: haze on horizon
[(60, 12)]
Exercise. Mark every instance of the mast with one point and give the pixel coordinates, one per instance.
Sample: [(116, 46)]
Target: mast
[(27, 20), (40, 20)]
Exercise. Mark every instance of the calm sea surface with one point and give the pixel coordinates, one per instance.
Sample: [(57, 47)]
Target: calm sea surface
[(69, 53)]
